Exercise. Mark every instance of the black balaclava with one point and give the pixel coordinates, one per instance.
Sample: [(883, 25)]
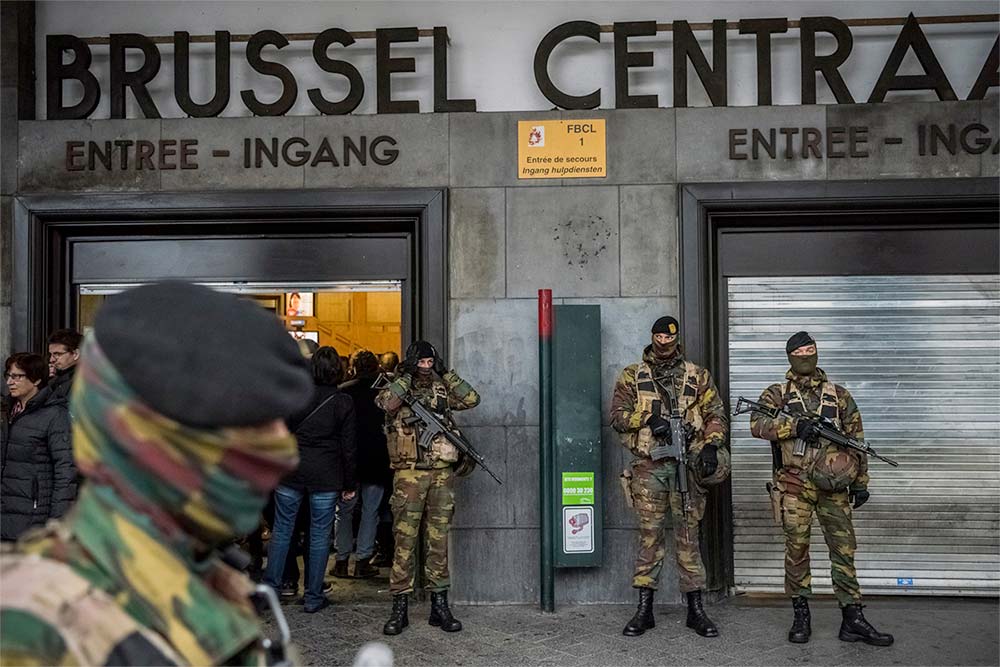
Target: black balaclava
[(418, 350), (801, 365), (665, 325)]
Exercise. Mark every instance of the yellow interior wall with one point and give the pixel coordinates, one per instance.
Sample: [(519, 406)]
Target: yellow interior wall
[(351, 321)]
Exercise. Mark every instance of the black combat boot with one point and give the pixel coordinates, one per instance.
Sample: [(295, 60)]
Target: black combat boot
[(643, 619), (802, 624), (398, 620), (698, 620), (855, 628), (441, 614)]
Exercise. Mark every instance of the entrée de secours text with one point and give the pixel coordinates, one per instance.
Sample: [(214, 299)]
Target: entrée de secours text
[(548, 160)]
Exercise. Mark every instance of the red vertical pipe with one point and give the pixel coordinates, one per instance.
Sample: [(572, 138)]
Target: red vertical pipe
[(546, 454)]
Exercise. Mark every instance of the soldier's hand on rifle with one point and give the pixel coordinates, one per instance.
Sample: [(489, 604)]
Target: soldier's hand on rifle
[(807, 429), (858, 497), (659, 426), (708, 459)]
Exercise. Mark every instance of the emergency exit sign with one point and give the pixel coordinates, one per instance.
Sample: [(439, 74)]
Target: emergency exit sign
[(561, 148)]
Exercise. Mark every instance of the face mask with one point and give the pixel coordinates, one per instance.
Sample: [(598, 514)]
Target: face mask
[(805, 365), (665, 351)]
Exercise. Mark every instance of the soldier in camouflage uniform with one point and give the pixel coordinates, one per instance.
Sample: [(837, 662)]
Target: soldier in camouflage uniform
[(178, 429), (423, 486), (825, 480), (664, 378)]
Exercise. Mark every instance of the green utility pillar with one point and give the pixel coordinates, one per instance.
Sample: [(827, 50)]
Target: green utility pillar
[(577, 466)]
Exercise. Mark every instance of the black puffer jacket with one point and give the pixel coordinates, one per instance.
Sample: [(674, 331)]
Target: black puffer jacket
[(373, 457), (38, 478), (327, 450), (62, 382)]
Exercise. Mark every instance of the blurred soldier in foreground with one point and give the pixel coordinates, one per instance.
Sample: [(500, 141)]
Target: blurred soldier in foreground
[(671, 418), (179, 431), (816, 477), (424, 483)]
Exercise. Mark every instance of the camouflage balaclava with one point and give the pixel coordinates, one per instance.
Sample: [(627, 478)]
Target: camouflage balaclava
[(801, 365), (665, 325), (209, 484)]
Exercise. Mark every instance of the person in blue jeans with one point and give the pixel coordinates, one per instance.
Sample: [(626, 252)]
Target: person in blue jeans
[(326, 473), (374, 473)]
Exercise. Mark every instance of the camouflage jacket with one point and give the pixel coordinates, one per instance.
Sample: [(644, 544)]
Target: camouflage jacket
[(103, 586), (441, 395), (709, 414), (782, 428)]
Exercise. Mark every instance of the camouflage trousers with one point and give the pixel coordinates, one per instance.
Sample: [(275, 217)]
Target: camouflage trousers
[(416, 495), (654, 492), (834, 513)]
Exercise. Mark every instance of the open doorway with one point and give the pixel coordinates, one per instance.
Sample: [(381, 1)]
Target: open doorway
[(349, 316)]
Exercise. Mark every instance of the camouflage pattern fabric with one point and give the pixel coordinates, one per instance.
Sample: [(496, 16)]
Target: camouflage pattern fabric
[(441, 395), (781, 429), (801, 498), (417, 494), (626, 415), (653, 485), (159, 495), (834, 513), (654, 494)]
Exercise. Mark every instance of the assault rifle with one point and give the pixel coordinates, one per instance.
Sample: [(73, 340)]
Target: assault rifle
[(432, 426), (677, 448), (825, 428)]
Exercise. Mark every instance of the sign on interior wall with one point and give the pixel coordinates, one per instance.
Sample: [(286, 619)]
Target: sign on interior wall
[(561, 149), (712, 73)]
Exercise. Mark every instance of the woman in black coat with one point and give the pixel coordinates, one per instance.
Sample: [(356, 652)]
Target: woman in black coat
[(37, 474), (326, 473)]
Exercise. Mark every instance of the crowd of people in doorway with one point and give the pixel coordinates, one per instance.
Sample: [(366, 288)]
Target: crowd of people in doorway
[(338, 489), (39, 478)]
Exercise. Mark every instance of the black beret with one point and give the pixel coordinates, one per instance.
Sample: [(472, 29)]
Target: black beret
[(666, 325), (798, 340), (201, 357)]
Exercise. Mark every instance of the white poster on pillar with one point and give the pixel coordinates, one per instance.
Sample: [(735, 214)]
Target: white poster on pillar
[(578, 530)]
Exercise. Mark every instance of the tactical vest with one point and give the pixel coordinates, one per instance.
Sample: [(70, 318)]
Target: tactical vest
[(642, 441), (829, 467), (402, 438)]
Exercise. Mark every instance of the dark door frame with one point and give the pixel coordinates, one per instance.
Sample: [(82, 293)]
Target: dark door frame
[(707, 211), (40, 271)]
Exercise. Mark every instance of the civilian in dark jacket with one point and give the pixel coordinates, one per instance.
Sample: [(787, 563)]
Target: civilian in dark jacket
[(38, 478), (327, 471), (374, 473), (64, 353)]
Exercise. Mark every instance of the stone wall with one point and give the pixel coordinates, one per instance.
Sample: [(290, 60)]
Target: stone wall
[(609, 241)]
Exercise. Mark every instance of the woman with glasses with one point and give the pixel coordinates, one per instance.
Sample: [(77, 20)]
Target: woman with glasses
[(38, 482)]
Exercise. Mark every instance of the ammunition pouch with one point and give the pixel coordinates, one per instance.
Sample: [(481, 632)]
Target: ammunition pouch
[(442, 450), (625, 479), (401, 444)]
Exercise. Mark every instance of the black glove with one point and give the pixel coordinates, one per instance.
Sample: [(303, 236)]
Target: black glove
[(858, 497), (807, 429), (708, 459), (659, 426), (439, 366)]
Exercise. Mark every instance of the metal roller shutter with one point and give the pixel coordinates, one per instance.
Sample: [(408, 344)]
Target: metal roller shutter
[(921, 355)]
